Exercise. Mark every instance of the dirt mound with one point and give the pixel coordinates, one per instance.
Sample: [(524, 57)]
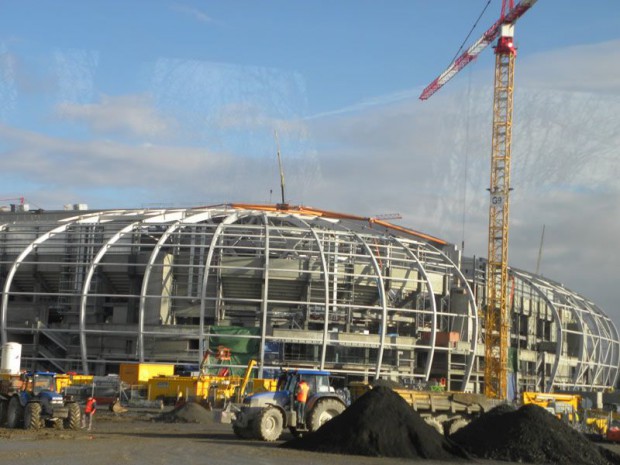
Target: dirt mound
[(379, 424), (531, 435), (187, 412)]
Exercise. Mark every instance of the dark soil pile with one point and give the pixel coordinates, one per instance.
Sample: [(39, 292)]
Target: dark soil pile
[(379, 424), (187, 412), (531, 435)]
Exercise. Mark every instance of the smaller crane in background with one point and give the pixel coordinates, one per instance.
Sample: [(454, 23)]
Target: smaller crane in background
[(22, 200), (21, 206), (282, 205)]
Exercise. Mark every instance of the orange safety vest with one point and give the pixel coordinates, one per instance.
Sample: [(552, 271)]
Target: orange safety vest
[(302, 392), (91, 406)]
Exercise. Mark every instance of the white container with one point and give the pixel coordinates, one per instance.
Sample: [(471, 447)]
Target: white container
[(11, 358)]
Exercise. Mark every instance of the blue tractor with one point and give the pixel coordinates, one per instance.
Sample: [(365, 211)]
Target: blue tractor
[(265, 415), (31, 401)]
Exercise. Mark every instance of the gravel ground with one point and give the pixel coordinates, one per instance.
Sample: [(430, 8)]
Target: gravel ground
[(135, 438)]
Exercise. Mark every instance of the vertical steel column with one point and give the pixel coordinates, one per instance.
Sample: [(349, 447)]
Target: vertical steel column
[(265, 306)]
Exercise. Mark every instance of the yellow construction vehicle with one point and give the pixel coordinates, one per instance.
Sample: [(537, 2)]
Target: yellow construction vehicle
[(572, 408), (564, 406)]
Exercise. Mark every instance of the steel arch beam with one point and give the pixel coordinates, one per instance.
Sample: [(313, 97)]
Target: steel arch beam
[(193, 219), (33, 245), (429, 287), (473, 313)]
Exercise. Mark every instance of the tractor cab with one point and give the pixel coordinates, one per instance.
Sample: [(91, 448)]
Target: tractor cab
[(42, 381), (318, 381)]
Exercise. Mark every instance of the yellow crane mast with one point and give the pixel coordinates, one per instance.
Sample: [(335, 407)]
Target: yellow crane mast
[(496, 312), (497, 318)]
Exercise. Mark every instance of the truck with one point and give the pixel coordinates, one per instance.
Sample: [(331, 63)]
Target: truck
[(446, 411), (30, 400), (265, 415)]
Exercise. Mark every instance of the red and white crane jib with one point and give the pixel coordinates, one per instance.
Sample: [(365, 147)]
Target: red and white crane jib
[(472, 52)]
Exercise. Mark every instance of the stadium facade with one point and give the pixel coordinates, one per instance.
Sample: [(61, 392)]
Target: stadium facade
[(289, 286)]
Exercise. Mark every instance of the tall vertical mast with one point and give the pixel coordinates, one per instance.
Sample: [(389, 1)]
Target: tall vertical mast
[(497, 324)]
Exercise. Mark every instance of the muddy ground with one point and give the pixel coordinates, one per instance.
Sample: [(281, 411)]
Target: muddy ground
[(135, 438)]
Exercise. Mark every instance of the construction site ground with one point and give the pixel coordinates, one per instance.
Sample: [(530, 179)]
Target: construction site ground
[(143, 436)]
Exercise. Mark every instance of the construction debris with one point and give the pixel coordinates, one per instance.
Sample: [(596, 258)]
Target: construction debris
[(380, 424), (529, 435), (187, 412)]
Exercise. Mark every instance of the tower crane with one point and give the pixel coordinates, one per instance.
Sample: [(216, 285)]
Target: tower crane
[(497, 320)]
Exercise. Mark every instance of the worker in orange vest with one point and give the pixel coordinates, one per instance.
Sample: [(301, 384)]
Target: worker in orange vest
[(301, 396), (89, 413)]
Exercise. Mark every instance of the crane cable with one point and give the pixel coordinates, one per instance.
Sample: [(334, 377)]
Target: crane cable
[(466, 164), (471, 31), (466, 168)]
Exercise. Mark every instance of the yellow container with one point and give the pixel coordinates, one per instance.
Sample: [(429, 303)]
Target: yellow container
[(64, 380), (81, 379), (140, 373), (264, 384), (173, 387)]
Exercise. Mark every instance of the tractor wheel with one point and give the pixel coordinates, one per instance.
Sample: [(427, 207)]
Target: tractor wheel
[(243, 433), (15, 413), (74, 418), (268, 424), (32, 416), (4, 405), (324, 411)]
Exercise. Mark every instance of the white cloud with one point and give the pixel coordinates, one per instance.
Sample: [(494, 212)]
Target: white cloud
[(193, 12), (251, 117), (74, 72), (125, 115), (430, 161), (586, 68)]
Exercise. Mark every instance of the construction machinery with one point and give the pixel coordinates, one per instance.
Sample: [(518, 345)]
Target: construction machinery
[(565, 406), (496, 317), (265, 415), (446, 411), (576, 410), (30, 400)]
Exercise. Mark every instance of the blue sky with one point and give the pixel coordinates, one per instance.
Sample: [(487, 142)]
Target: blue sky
[(143, 103)]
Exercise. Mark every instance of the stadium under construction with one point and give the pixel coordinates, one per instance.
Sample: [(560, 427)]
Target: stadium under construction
[(86, 290)]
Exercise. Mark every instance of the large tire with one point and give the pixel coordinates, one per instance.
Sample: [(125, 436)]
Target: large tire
[(32, 416), (15, 413), (268, 424), (4, 406), (74, 418), (323, 411)]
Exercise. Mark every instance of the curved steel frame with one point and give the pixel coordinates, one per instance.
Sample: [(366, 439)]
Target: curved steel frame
[(599, 352)]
